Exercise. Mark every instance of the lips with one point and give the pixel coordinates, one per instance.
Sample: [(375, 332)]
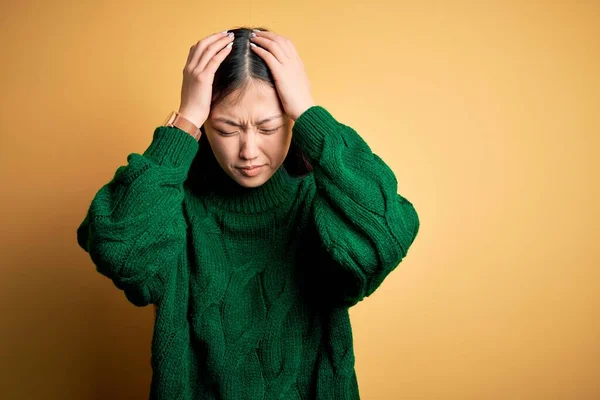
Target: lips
[(252, 171)]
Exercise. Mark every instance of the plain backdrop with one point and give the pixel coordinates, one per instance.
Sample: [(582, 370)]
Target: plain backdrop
[(487, 111)]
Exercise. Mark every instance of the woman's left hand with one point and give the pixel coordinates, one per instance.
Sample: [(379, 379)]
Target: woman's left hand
[(284, 62)]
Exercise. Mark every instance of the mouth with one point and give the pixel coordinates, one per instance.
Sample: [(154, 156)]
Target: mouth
[(253, 171)]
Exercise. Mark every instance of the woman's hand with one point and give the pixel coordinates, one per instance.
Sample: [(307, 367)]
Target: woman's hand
[(284, 62), (202, 63)]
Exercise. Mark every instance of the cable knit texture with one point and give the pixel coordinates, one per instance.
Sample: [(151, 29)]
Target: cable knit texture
[(252, 286)]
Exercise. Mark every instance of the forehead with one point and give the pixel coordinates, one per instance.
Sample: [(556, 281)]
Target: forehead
[(256, 102)]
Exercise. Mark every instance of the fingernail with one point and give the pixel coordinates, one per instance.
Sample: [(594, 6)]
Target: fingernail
[(230, 34), (224, 32), (252, 34), (256, 30)]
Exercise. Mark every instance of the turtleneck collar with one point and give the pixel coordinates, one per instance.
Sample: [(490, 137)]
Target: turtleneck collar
[(223, 192), (230, 195)]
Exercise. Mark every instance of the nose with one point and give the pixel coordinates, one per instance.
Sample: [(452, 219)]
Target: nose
[(249, 146)]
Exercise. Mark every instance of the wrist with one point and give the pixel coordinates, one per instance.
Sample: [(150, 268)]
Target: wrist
[(182, 122), (194, 119)]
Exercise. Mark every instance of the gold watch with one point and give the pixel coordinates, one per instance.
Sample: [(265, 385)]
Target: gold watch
[(177, 120)]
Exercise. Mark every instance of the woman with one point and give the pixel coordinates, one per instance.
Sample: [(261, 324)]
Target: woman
[(251, 271)]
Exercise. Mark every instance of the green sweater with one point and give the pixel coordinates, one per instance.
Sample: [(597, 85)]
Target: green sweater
[(252, 285)]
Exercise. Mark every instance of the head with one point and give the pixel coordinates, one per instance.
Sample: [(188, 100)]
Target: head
[(247, 125)]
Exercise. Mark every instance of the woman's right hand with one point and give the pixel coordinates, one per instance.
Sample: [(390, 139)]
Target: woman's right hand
[(202, 63)]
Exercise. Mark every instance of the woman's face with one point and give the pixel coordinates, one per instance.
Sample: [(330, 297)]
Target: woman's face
[(253, 132)]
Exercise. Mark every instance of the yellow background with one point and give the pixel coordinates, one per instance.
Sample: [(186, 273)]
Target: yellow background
[(487, 111)]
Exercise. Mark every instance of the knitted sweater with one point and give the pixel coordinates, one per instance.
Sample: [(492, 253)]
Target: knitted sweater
[(252, 285)]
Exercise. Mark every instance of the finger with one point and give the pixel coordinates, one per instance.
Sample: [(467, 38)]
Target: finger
[(272, 47), (284, 43), (190, 54), (195, 45), (199, 48), (269, 58), (214, 62), (210, 52)]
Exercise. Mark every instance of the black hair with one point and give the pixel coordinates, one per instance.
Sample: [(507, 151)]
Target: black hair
[(237, 70)]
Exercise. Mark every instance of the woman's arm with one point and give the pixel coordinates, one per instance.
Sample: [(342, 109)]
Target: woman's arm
[(364, 226), (134, 229)]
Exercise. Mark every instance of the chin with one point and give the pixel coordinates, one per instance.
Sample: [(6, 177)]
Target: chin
[(249, 185), (250, 182)]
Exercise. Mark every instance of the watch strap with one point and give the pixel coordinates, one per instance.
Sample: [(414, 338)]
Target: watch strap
[(175, 119)]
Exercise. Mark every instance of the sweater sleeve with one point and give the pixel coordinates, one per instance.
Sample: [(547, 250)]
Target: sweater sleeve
[(134, 229), (364, 226)]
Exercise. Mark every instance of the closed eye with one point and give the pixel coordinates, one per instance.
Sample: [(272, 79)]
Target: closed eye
[(267, 131), (223, 133)]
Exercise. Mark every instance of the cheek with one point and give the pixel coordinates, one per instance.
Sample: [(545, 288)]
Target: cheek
[(222, 150), (282, 145), (287, 139), (278, 143)]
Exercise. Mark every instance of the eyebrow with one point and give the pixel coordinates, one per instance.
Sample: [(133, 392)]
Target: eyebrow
[(230, 122)]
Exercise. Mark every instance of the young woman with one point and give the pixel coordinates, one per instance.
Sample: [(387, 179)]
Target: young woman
[(254, 240)]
